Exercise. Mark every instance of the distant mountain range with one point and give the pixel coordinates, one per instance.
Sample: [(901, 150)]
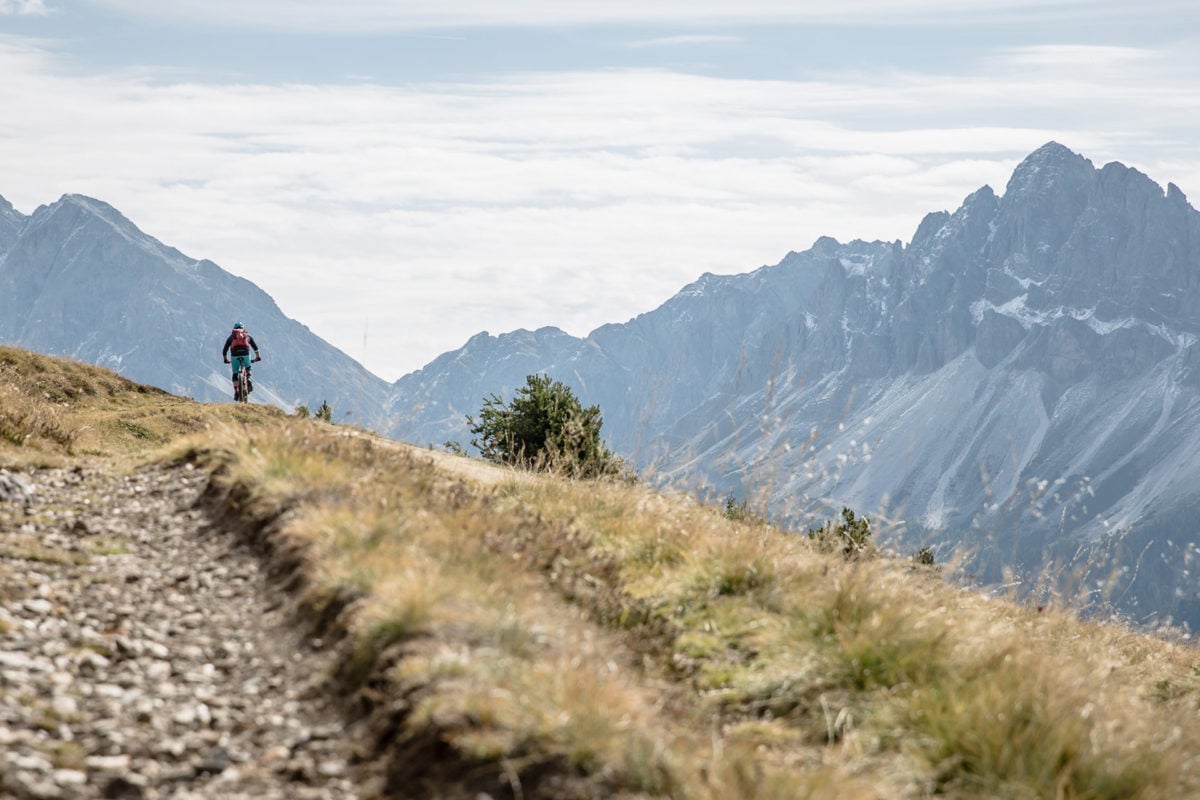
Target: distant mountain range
[(1019, 381)]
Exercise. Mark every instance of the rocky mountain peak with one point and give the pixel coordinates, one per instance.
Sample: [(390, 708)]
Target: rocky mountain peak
[(968, 226), (933, 222), (77, 211), (1046, 165), (982, 200), (11, 222), (1050, 175), (826, 246), (1045, 197)]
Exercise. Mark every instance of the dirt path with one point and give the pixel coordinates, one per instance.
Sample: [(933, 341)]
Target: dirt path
[(143, 654)]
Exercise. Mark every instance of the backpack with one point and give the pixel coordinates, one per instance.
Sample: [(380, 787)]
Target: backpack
[(240, 338)]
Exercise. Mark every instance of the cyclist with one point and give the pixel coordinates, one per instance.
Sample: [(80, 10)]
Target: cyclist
[(239, 344)]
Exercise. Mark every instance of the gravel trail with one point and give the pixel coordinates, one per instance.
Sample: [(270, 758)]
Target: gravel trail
[(143, 653)]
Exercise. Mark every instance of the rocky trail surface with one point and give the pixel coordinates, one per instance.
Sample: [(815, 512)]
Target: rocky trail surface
[(144, 653)]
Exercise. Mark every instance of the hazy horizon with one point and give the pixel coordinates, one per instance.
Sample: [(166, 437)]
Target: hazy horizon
[(400, 178)]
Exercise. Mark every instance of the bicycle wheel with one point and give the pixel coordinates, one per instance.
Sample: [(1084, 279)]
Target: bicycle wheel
[(241, 394)]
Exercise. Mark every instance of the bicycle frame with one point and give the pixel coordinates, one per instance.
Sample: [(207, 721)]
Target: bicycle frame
[(241, 389)]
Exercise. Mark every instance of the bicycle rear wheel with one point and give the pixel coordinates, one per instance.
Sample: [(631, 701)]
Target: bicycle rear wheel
[(241, 392)]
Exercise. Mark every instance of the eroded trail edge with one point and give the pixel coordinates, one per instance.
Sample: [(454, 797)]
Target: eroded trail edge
[(145, 654)]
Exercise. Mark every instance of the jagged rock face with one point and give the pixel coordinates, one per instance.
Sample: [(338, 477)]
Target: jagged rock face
[(1021, 380), (11, 222), (78, 279)]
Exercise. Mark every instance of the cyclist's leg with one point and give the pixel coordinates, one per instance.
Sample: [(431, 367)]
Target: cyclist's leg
[(237, 362)]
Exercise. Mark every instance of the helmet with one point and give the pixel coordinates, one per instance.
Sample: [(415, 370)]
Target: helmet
[(238, 325)]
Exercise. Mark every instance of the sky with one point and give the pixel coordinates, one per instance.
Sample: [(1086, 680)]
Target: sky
[(401, 175)]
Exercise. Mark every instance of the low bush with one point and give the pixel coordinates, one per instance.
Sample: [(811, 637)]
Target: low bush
[(546, 428), (851, 536)]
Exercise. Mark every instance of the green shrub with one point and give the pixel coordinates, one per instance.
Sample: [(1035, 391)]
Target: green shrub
[(851, 536), (741, 512), (544, 427), (924, 557)]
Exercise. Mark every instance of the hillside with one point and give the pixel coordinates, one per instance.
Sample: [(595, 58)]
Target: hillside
[(431, 626), (1016, 384), (78, 279)]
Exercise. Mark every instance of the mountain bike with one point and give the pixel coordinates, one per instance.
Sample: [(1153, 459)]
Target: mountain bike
[(241, 386), (241, 383)]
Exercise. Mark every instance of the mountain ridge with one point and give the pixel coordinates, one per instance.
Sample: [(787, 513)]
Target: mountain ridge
[(80, 279), (11, 221)]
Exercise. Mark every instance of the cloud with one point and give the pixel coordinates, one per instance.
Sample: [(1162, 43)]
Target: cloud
[(23, 8), (377, 15), (684, 40), (1091, 56), (424, 213)]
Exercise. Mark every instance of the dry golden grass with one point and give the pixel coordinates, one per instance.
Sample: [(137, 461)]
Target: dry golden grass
[(56, 412), (657, 648), (547, 638)]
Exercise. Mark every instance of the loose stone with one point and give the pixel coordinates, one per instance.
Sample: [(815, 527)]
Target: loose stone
[(158, 665)]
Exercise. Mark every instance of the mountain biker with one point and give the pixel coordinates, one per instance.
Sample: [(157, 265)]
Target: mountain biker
[(239, 344)]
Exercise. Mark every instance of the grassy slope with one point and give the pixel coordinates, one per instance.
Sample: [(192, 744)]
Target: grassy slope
[(541, 638), (56, 411)]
